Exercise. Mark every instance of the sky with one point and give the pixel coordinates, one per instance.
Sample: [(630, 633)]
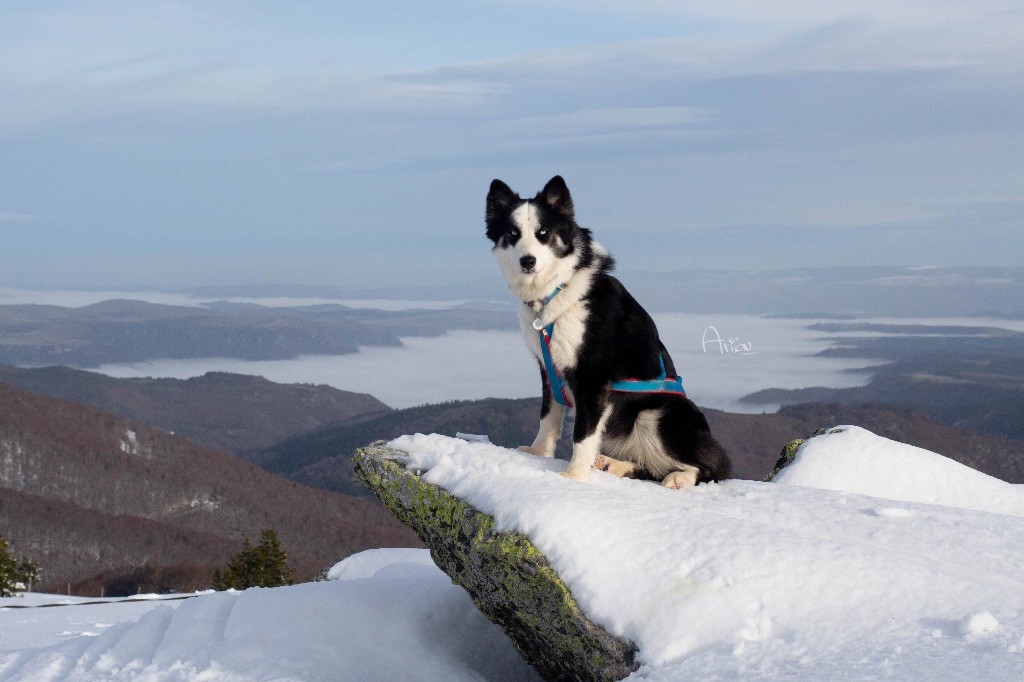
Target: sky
[(173, 144)]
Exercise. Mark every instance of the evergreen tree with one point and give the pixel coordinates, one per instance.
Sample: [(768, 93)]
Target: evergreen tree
[(15, 575), (265, 565)]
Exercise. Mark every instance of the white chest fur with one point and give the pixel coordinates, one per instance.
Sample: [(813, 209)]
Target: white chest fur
[(569, 312)]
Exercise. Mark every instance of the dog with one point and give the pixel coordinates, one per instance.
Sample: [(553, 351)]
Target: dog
[(598, 350)]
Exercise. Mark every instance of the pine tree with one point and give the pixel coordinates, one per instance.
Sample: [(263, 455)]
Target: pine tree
[(15, 575), (265, 565)]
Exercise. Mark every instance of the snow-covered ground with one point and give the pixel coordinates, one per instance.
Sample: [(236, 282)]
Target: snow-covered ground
[(747, 580), (390, 615), (800, 579)]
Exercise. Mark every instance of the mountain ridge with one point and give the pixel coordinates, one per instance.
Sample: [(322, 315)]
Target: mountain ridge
[(220, 410), (753, 441)]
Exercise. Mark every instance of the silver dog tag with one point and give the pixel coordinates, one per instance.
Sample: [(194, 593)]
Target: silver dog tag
[(537, 324)]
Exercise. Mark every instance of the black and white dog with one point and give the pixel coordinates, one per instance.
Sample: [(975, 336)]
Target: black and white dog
[(602, 349)]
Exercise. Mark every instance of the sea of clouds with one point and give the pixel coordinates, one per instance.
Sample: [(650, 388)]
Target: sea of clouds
[(720, 357)]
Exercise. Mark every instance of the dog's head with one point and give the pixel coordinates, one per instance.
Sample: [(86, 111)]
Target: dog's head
[(536, 241)]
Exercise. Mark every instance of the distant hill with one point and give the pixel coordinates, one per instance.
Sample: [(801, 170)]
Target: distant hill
[(121, 331), (969, 377), (860, 291), (85, 492), (230, 412), (753, 441), (324, 458)]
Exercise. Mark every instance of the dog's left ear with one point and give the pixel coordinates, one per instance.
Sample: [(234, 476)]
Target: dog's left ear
[(556, 195)]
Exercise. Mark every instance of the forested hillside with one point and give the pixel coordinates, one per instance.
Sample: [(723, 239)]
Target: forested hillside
[(223, 411), (81, 486)]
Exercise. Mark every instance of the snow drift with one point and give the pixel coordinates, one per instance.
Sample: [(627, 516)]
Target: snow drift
[(399, 620), (855, 460)]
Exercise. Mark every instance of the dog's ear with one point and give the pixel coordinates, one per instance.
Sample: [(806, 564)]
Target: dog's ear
[(499, 198), (556, 195)]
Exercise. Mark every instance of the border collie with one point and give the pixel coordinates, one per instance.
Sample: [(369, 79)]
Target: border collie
[(603, 356)]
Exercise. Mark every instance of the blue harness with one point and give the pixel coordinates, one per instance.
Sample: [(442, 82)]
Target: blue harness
[(662, 384)]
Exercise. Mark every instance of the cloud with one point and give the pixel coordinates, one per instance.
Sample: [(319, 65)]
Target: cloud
[(588, 122), (205, 126), (753, 13), (460, 365), (15, 217), (88, 60)]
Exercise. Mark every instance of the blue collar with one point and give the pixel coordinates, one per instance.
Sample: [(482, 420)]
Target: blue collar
[(537, 324), (555, 378)]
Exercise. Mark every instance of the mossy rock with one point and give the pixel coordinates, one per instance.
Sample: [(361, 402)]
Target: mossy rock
[(788, 453), (510, 581), (786, 458)]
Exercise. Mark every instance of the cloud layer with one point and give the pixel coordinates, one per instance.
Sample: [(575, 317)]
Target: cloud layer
[(232, 136)]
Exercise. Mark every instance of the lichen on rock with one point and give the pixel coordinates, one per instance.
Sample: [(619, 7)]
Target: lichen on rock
[(509, 579), (788, 453), (786, 458)]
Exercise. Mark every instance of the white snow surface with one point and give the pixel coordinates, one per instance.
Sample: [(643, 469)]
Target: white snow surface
[(748, 580), (853, 459), (732, 581), (397, 625), (371, 562), (30, 628)]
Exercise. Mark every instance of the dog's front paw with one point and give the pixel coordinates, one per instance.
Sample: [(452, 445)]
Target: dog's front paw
[(681, 479), (534, 451)]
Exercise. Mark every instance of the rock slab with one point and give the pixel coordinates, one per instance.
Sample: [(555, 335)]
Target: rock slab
[(510, 581)]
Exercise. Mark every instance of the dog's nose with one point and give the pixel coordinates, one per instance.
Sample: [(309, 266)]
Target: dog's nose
[(527, 262)]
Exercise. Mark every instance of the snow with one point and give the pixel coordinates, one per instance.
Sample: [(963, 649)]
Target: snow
[(130, 443), (473, 437), (855, 460), (369, 563), (978, 624), (397, 624), (24, 626), (747, 580), (898, 576)]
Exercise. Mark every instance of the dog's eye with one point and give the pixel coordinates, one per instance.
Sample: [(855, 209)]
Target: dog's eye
[(542, 232), (513, 232)]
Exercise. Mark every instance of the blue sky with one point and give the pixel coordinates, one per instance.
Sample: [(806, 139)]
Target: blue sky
[(170, 144)]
